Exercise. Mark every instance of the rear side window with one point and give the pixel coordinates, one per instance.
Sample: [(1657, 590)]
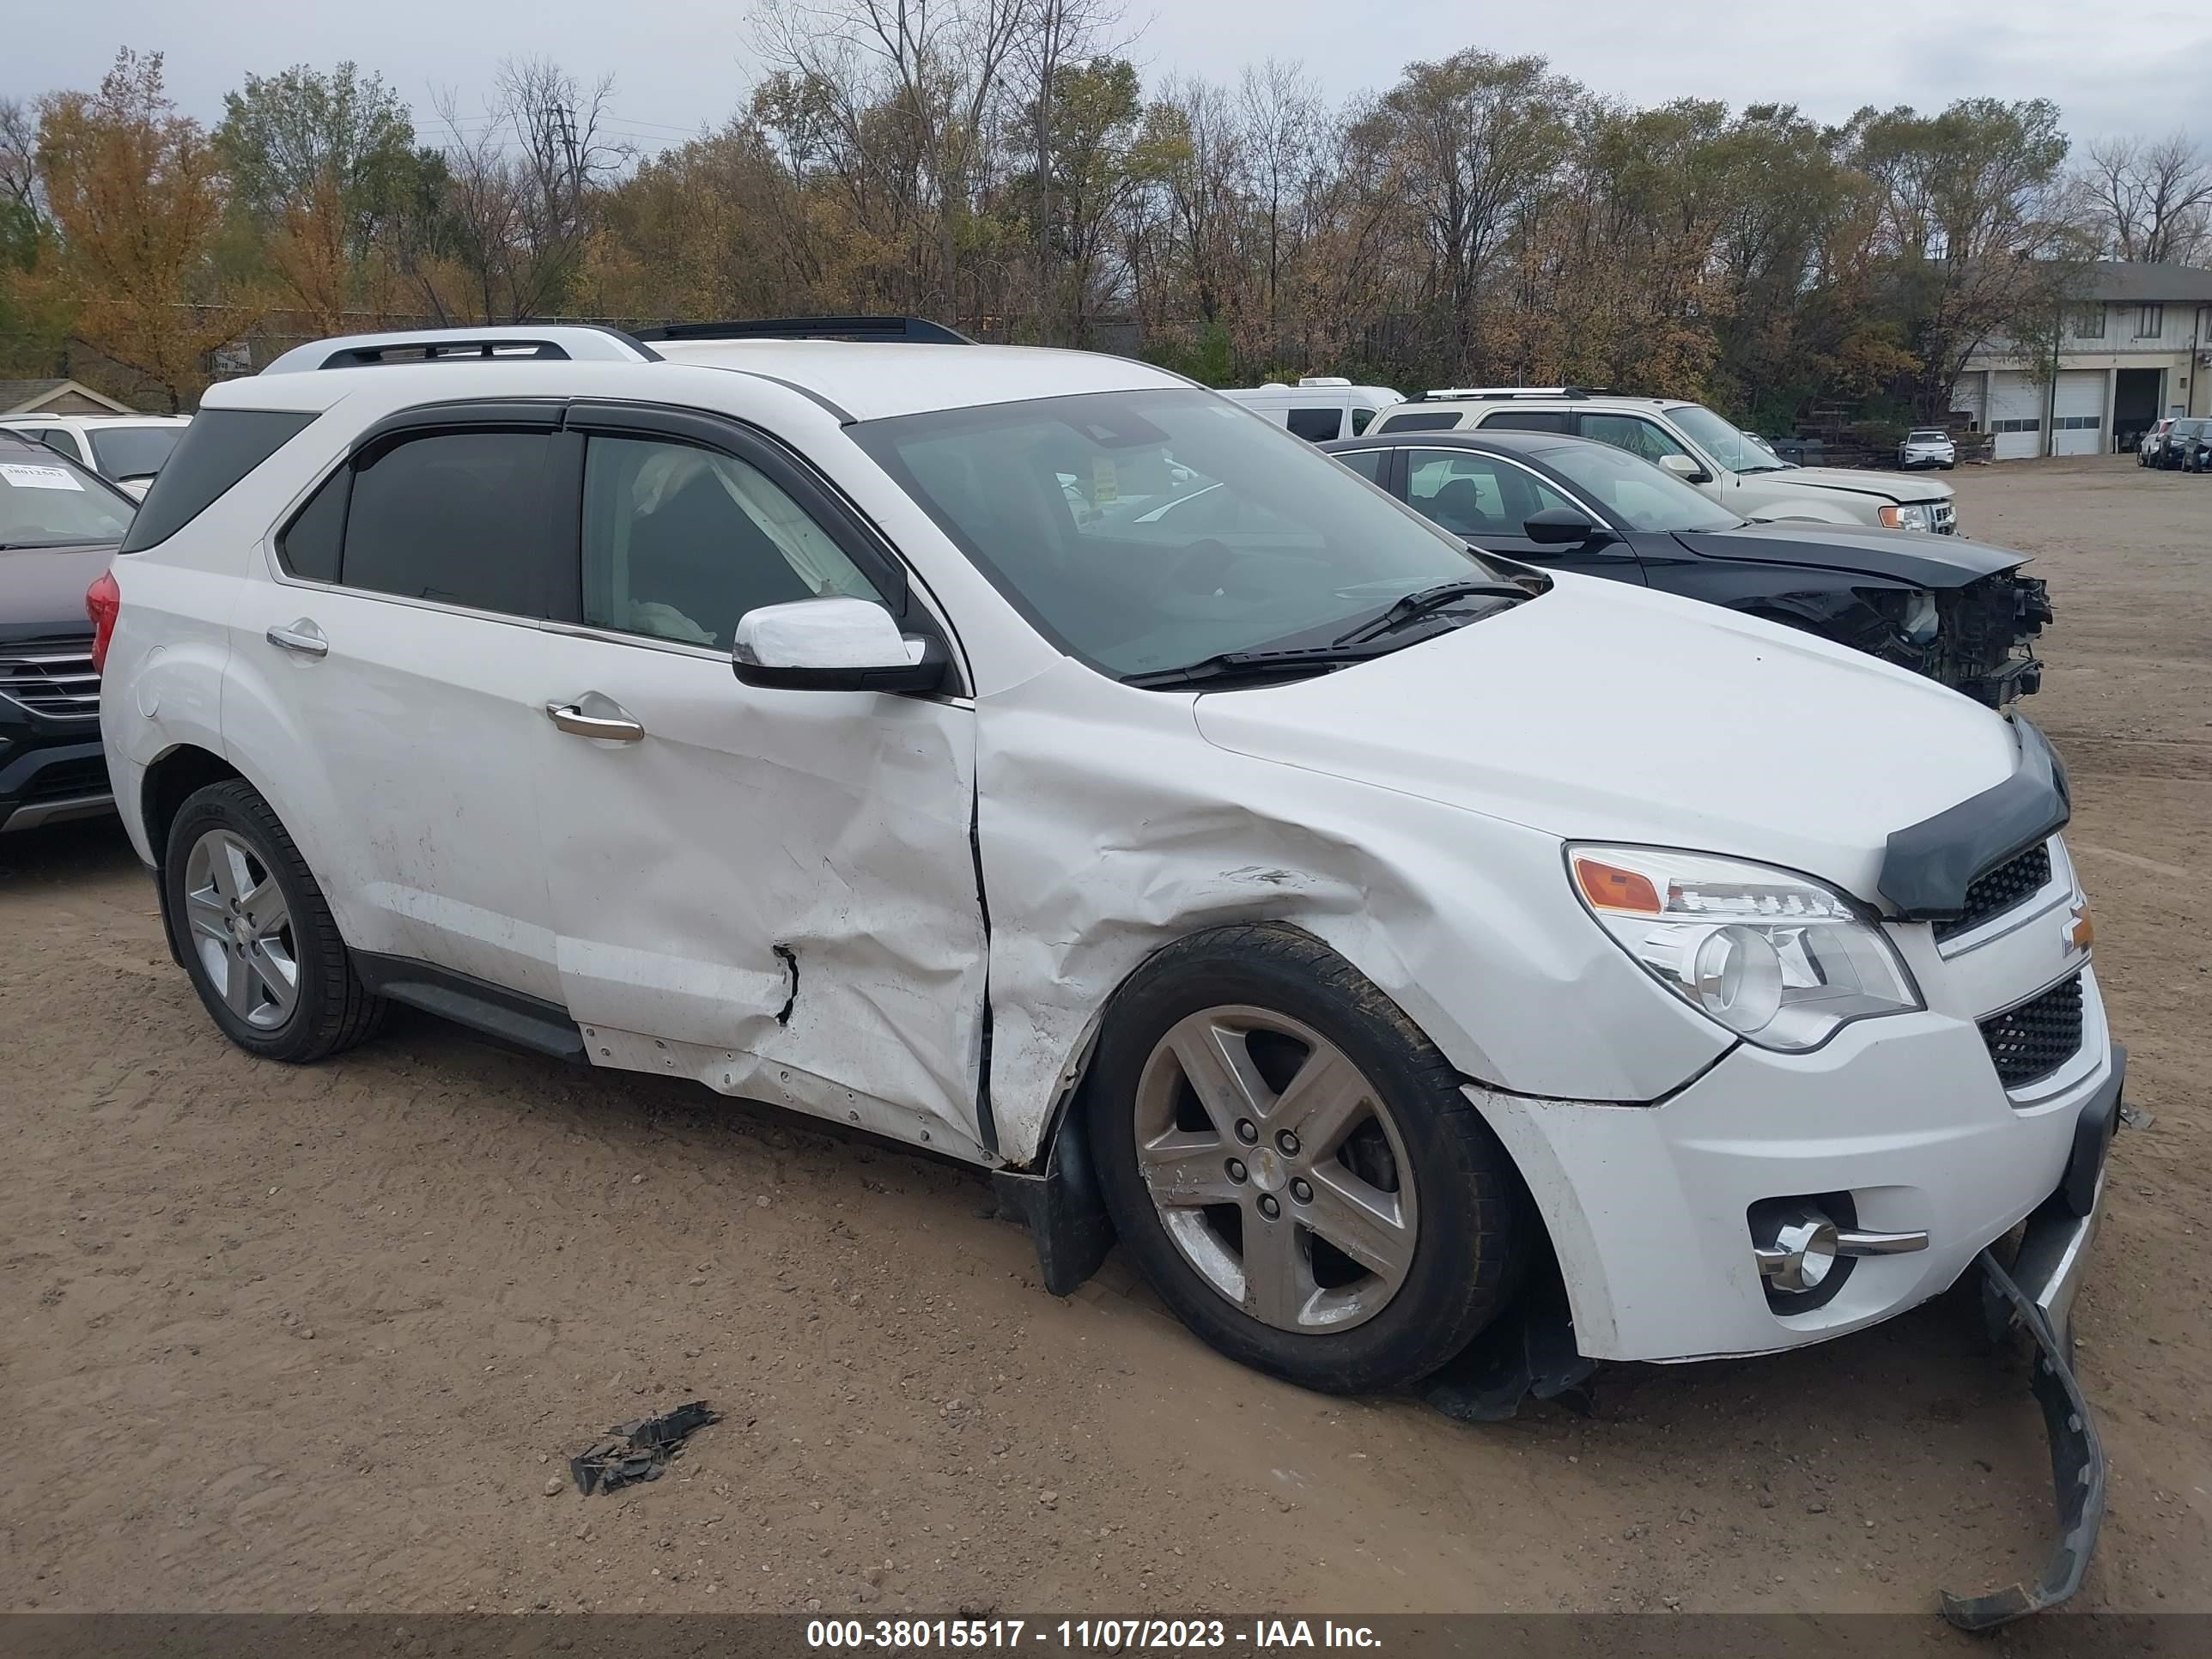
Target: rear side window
[(1316, 425), (456, 517), (1421, 420), (220, 447), (1526, 419), (1367, 463)]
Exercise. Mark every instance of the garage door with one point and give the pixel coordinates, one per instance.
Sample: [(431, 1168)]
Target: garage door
[(2078, 426), (1967, 399), (2015, 415)]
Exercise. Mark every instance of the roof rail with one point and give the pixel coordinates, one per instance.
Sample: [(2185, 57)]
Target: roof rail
[(1509, 392), (542, 342), (917, 329)]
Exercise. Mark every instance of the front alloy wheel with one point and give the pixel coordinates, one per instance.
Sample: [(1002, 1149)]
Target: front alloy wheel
[(1276, 1168), (1295, 1167)]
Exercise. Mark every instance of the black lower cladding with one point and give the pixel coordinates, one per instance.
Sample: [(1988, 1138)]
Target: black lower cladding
[(505, 1017), (2035, 1039)]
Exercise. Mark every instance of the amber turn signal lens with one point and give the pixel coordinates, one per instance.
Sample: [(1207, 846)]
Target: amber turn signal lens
[(1609, 887)]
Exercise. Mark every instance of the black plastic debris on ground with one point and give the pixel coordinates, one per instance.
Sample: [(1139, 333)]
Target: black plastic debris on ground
[(638, 1450)]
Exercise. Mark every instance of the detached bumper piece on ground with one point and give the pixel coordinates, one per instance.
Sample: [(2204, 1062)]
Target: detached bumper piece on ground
[(638, 1450)]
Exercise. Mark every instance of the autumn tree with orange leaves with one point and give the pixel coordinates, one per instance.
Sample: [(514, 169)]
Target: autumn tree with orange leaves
[(135, 195)]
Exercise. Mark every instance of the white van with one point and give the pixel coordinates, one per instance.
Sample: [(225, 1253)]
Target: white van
[(1319, 407)]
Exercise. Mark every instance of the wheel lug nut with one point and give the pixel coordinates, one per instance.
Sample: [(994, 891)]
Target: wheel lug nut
[(1247, 1131), (1268, 1207), (1289, 1143), (1301, 1192), (1235, 1169)]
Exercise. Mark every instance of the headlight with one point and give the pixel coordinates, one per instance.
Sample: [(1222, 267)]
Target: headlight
[(1905, 518), (1779, 958)]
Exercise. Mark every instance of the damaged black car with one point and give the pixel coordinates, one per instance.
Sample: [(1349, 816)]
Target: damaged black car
[(1958, 612)]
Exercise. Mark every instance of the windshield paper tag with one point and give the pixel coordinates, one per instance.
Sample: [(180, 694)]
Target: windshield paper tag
[(38, 477), (1105, 488)]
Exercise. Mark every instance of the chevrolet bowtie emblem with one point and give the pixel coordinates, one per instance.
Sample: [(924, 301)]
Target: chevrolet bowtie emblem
[(2081, 926)]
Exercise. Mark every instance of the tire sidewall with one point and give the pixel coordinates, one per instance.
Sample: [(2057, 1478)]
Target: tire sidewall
[(224, 806), (1452, 1289)]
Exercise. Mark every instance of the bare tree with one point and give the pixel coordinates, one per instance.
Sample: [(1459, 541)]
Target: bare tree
[(520, 180), (19, 159), (918, 79), (2151, 200)]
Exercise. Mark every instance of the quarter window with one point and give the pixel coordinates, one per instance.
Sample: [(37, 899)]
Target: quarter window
[(1367, 463), (680, 541), (456, 517)]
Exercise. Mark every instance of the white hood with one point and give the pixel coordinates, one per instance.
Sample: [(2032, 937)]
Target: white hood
[(1603, 712), (1884, 486)]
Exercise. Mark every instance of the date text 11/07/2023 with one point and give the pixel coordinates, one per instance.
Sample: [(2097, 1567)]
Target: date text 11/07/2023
[(1089, 1635)]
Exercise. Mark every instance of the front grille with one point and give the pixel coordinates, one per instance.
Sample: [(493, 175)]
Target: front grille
[(60, 682), (1996, 891), (2035, 1039), (1944, 520)]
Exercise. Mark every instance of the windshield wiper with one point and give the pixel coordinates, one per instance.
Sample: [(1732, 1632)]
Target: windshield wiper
[(1255, 664), (1423, 603)]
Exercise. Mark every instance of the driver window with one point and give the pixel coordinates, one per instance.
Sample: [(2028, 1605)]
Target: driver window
[(680, 541)]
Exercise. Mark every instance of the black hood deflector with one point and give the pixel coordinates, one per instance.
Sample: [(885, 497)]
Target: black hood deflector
[(1930, 865)]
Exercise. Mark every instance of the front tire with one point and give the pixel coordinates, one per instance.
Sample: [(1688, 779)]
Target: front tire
[(255, 933), (1293, 1167)]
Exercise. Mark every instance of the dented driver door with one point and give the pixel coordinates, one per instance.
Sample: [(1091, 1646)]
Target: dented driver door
[(773, 891)]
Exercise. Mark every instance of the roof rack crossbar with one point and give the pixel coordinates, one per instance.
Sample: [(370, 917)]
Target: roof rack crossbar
[(914, 329), (528, 342)]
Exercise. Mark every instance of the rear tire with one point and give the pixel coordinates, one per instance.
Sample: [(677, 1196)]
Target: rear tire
[(251, 927), (1328, 1207)]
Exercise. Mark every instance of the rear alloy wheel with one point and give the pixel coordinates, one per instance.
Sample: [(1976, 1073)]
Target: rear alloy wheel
[(1294, 1165), (255, 933), (240, 928)]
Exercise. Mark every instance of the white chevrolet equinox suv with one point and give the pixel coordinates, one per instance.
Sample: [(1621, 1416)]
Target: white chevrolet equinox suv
[(1346, 924)]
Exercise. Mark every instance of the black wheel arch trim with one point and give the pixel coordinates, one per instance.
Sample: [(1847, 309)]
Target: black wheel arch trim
[(1928, 865)]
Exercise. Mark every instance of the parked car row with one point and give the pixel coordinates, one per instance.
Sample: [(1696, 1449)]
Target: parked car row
[(2177, 445), (127, 450)]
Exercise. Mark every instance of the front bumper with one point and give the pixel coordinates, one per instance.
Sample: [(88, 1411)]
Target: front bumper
[(45, 782), (1647, 1206)]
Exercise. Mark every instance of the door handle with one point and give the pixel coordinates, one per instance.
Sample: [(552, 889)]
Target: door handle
[(595, 716), (302, 639)]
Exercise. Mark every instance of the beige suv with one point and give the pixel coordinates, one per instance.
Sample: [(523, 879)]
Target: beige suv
[(1698, 447)]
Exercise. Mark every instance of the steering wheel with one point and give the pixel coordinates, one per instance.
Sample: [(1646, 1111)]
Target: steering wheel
[(1203, 565)]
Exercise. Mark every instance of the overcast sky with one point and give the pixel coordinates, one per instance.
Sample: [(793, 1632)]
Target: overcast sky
[(2125, 66)]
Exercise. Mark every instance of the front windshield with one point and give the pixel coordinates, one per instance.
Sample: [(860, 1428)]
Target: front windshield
[(133, 451), (1632, 491), (1729, 445), (48, 502), (1922, 436), (1144, 530)]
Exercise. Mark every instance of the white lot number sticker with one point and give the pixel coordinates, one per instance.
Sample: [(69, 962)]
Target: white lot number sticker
[(38, 477)]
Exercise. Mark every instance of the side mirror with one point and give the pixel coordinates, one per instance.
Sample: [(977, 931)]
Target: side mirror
[(1685, 469), (1562, 527), (832, 645)]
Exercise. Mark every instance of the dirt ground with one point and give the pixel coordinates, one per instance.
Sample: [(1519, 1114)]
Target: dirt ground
[(281, 1339)]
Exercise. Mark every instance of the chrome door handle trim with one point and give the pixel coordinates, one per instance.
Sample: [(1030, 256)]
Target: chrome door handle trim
[(608, 728), (302, 639)]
